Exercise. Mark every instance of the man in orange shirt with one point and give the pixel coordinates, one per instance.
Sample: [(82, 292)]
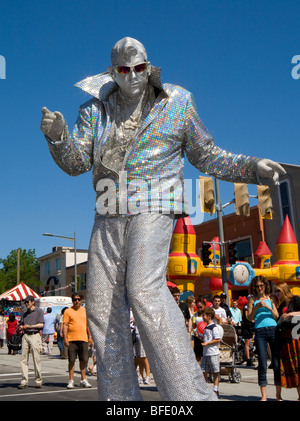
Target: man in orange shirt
[(77, 338)]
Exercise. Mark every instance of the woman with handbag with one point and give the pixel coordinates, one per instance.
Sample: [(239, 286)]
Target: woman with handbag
[(289, 333)]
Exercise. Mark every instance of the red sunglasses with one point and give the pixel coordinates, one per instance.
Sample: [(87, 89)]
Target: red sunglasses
[(124, 70)]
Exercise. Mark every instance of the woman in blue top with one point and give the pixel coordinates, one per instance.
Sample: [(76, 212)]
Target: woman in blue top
[(263, 311)]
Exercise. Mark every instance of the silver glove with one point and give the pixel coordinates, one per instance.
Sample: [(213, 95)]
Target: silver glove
[(52, 124), (268, 169)]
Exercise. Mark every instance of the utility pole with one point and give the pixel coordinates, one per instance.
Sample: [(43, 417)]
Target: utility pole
[(18, 266), (219, 210), (75, 263)]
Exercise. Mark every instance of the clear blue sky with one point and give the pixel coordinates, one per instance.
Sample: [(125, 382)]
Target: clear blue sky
[(235, 56)]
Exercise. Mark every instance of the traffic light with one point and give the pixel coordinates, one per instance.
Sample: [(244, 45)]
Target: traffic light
[(206, 254), (265, 202), (232, 251), (207, 194), (241, 199)]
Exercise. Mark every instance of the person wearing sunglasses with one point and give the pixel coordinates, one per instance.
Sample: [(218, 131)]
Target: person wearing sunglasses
[(77, 338), (133, 134), (289, 313), (31, 324), (263, 310)]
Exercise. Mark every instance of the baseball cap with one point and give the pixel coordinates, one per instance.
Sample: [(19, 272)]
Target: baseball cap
[(29, 298), (223, 295)]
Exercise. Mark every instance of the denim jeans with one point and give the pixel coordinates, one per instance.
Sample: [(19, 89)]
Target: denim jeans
[(263, 337), (59, 341)]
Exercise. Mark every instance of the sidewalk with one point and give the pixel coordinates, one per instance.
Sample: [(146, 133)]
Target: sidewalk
[(246, 390)]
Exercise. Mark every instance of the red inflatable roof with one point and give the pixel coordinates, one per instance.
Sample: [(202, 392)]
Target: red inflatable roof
[(184, 226), (286, 235), (263, 250)]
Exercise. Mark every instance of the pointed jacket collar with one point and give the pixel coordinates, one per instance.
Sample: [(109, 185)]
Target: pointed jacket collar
[(101, 86)]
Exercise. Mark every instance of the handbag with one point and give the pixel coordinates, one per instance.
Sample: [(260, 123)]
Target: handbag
[(285, 324), (15, 342)]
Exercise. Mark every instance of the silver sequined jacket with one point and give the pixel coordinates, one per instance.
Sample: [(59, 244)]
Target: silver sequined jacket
[(171, 130)]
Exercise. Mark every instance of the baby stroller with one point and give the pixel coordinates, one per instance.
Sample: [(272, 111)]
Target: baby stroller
[(15, 342), (228, 347), (240, 351)]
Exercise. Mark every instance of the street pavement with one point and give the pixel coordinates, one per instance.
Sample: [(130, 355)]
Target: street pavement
[(55, 379)]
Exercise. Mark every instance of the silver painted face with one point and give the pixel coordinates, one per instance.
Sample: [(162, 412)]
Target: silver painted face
[(132, 84)]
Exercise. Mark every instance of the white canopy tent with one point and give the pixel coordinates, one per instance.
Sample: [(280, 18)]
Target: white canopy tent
[(18, 293)]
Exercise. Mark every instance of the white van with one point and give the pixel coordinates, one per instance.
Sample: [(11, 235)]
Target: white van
[(57, 303), (53, 301)]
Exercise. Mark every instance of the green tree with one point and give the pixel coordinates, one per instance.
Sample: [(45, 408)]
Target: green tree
[(29, 269)]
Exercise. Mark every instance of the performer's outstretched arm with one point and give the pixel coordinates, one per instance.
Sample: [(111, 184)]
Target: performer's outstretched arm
[(211, 159), (72, 153)]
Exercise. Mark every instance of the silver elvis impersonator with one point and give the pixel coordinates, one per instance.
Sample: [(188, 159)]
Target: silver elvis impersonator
[(136, 126)]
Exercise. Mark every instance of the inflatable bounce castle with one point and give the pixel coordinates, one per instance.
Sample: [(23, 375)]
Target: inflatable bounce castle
[(185, 266)]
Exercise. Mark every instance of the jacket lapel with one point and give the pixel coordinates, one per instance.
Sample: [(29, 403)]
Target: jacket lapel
[(160, 103)]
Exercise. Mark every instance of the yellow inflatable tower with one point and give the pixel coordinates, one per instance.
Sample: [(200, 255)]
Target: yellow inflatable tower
[(263, 254), (184, 263), (287, 255)]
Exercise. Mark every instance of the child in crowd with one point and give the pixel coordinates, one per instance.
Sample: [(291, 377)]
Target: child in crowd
[(211, 340)]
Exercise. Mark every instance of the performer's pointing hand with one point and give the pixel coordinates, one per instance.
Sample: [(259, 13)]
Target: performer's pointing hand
[(268, 169), (52, 124)]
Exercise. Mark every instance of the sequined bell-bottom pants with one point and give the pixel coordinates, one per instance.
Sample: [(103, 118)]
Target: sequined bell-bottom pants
[(128, 258)]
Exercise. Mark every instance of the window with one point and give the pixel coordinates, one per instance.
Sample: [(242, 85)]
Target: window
[(58, 264), (47, 268), (285, 201), (244, 250), (82, 281)]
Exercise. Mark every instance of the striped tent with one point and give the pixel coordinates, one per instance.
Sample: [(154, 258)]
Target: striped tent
[(18, 293)]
